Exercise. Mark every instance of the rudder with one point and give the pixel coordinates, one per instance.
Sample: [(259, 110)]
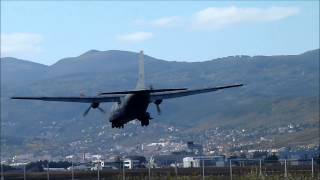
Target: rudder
[(141, 80)]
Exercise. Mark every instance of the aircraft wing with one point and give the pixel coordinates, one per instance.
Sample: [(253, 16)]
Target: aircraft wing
[(181, 93), (78, 99)]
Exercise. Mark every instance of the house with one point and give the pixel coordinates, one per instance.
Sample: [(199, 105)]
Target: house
[(133, 162), (191, 162), (168, 160), (195, 149), (199, 161)]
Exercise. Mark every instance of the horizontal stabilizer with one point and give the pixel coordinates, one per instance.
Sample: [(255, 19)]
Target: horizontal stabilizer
[(143, 91)]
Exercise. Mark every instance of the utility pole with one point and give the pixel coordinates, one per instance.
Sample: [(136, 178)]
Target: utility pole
[(24, 172), (230, 170), (285, 169), (99, 170), (149, 170), (2, 178), (176, 169), (202, 169), (123, 174), (312, 169), (72, 170), (260, 171), (48, 171)]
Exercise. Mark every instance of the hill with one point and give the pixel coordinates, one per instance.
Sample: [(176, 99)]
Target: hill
[(278, 91)]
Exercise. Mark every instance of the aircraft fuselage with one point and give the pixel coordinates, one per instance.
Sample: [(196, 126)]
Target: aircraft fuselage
[(132, 106)]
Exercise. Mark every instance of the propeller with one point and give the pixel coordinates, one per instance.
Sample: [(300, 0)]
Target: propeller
[(157, 103), (87, 111), (94, 106)]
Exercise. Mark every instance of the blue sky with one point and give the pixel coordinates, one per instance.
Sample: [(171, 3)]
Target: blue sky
[(45, 32)]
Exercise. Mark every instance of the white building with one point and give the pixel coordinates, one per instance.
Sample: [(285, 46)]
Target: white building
[(190, 162), (131, 163), (98, 164), (198, 161)]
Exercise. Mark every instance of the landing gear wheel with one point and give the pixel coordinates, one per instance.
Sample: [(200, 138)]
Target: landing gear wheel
[(145, 122), (116, 125)]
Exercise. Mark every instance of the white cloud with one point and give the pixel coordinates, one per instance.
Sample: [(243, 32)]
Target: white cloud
[(166, 21), (136, 37), (20, 44), (220, 17)]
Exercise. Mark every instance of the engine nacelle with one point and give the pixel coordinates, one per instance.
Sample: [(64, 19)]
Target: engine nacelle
[(158, 101), (95, 105)]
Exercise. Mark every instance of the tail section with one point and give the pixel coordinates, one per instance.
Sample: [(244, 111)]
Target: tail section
[(141, 81)]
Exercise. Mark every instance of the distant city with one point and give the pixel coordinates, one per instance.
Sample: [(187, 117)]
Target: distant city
[(214, 145)]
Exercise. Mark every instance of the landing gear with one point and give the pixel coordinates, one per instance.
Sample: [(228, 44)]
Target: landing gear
[(116, 125), (145, 119), (145, 123)]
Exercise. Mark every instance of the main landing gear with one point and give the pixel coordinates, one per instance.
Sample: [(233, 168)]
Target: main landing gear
[(116, 125), (145, 122), (145, 119)]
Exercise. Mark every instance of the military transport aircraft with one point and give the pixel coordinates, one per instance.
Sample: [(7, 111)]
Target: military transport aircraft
[(131, 105)]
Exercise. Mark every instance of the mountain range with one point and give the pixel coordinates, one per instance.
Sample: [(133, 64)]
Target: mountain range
[(279, 90)]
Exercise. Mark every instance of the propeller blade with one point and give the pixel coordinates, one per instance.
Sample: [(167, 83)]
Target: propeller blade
[(158, 109), (87, 111), (102, 110)]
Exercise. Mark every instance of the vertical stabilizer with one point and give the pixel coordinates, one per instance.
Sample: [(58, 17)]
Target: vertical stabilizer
[(141, 83)]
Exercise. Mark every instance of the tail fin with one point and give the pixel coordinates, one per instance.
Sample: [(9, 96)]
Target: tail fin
[(141, 81)]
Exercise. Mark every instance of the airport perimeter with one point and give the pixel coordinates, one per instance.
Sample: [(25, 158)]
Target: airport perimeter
[(273, 171)]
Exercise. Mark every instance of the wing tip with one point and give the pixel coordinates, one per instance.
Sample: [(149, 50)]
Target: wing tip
[(235, 85), (18, 97)]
